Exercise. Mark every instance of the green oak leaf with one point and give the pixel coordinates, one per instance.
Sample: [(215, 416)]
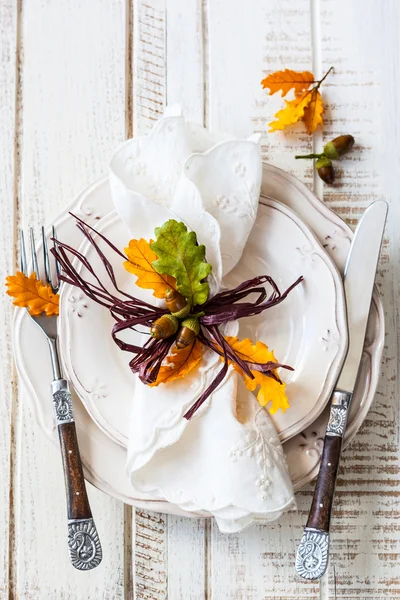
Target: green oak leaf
[(181, 257)]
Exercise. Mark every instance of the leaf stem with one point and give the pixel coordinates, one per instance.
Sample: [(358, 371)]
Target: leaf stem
[(324, 77)]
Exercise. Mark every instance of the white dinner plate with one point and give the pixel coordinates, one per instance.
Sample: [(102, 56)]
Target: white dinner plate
[(103, 459), (281, 246)]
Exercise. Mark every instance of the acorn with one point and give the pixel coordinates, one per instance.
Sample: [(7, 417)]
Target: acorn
[(164, 327), (325, 169), (187, 333), (339, 146), (177, 304)]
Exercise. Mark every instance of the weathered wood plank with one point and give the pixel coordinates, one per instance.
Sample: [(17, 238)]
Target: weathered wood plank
[(8, 79), (150, 558), (187, 558), (362, 100), (72, 114), (185, 57), (149, 63)]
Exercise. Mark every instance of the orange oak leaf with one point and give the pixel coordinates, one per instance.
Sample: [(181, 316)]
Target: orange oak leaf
[(270, 390), (313, 112), (293, 111), (140, 256), (286, 80), (180, 363), (31, 293)]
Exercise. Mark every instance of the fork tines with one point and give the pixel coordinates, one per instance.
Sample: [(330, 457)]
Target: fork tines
[(51, 279)]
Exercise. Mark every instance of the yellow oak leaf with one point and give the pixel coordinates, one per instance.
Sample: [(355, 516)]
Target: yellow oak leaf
[(313, 112), (270, 390), (180, 363), (286, 80), (293, 111), (140, 256), (31, 293)]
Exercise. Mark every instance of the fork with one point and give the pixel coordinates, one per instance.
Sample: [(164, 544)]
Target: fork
[(83, 540)]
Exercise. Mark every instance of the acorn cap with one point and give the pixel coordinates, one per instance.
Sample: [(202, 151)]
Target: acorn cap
[(322, 162), (330, 151), (192, 323), (181, 314), (173, 319)]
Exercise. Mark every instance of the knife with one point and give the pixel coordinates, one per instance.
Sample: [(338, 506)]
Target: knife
[(359, 277)]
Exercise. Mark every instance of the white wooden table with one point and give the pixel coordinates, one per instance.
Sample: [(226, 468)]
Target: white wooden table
[(76, 78)]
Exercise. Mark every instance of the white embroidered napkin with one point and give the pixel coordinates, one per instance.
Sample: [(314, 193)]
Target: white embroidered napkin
[(227, 460)]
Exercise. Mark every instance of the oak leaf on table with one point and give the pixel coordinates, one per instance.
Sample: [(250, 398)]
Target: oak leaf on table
[(269, 389), (293, 111), (140, 258), (180, 363), (313, 112), (284, 81), (33, 294)]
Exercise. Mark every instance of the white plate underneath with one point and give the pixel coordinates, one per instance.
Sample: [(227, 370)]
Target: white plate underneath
[(281, 246), (103, 459)]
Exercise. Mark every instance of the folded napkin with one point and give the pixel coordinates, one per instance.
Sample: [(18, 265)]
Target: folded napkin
[(227, 460)]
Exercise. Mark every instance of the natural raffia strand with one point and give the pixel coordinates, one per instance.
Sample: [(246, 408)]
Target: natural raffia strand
[(130, 312)]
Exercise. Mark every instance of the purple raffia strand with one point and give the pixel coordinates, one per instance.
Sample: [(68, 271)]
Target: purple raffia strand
[(129, 312), (222, 307), (217, 380)]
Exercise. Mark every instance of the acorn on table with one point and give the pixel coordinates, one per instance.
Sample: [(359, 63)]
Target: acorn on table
[(333, 150)]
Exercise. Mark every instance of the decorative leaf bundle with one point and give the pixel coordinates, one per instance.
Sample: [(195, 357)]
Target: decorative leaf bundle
[(130, 312)]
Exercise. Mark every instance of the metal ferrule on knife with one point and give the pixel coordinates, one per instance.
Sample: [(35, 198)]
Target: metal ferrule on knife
[(340, 405)]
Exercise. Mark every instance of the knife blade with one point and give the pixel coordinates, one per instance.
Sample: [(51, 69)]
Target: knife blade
[(359, 276)]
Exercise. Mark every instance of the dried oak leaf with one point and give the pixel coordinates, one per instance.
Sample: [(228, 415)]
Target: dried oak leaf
[(286, 80), (293, 111), (180, 363), (270, 390), (31, 293), (313, 112), (140, 257)]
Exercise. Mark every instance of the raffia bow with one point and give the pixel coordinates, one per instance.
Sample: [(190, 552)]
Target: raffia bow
[(130, 312)]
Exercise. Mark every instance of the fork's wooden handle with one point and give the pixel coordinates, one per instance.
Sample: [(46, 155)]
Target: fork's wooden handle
[(77, 500), (83, 540)]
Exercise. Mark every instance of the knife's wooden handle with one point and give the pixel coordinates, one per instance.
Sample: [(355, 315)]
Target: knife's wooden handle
[(313, 551), (321, 507), (83, 540)]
